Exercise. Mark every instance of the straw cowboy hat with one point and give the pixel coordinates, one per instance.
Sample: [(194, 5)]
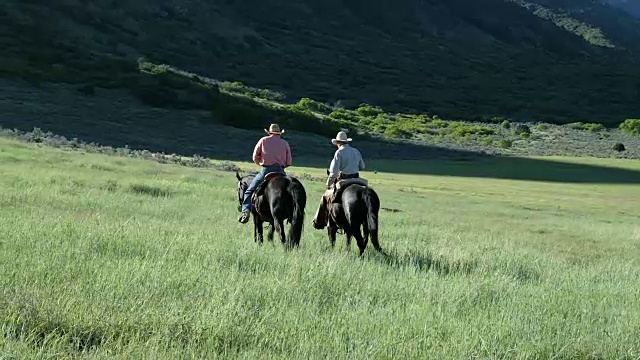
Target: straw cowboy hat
[(274, 129), (341, 137)]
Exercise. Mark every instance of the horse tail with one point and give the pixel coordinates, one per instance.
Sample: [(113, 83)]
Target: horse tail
[(372, 216), (373, 204), (299, 197)]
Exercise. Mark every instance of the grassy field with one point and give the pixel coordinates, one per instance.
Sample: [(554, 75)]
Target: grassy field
[(107, 257)]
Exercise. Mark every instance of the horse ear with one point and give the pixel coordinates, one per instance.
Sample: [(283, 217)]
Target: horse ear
[(238, 176)]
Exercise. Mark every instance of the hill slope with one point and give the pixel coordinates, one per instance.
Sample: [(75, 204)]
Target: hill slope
[(552, 61), (631, 6)]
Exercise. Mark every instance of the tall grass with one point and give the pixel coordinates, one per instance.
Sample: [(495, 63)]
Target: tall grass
[(113, 257)]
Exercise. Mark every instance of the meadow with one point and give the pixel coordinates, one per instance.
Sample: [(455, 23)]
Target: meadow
[(115, 257)]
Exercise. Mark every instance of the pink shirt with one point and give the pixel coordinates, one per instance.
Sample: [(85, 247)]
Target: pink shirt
[(272, 150)]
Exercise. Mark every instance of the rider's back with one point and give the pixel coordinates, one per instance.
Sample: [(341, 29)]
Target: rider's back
[(274, 150), (351, 161)]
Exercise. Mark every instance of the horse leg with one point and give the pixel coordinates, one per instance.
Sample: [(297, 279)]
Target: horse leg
[(349, 236), (374, 237), (270, 233), (257, 230), (365, 231), (332, 231), (279, 225), (362, 242), (338, 219)]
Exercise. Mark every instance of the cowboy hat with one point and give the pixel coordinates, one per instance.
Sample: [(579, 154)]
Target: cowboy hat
[(341, 137), (274, 129)]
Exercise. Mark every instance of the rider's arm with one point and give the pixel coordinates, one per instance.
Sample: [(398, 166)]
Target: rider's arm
[(289, 161), (361, 163), (334, 168), (257, 152)]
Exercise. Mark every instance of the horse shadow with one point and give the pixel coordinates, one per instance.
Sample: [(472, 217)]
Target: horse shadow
[(426, 262)]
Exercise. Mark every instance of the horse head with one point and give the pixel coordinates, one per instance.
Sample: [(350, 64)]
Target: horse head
[(241, 187)]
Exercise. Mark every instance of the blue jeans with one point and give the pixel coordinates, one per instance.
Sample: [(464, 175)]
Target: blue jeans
[(246, 201)]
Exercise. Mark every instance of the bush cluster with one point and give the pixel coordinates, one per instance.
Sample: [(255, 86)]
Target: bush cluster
[(631, 126), (586, 126)]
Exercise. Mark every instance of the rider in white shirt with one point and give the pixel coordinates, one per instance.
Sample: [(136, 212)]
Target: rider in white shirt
[(346, 164), (347, 160)]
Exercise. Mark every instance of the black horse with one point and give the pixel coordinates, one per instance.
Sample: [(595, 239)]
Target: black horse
[(280, 197), (352, 207)]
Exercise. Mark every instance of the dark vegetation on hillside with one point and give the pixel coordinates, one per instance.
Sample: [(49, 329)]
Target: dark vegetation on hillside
[(550, 61), (186, 113)]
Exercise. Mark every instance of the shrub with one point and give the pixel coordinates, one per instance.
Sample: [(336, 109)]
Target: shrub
[(506, 124), (486, 141), (343, 114), (369, 110), (312, 105), (593, 127), (542, 127), (396, 132), (384, 119), (619, 147), (505, 143), (240, 88), (437, 123), (520, 129), (227, 166), (498, 120), (631, 126), (464, 130)]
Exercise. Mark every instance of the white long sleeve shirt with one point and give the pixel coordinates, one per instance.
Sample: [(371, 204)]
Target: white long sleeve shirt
[(347, 160)]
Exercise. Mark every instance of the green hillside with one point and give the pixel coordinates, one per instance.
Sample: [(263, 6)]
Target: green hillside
[(551, 61)]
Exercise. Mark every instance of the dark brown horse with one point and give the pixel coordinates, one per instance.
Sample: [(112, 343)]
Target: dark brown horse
[(352, 207), (280, 197)]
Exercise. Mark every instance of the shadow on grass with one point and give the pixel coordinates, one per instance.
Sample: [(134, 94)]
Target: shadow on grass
[(519, 271), (152, 191), (424, 262), (513, 168), (38, 333)]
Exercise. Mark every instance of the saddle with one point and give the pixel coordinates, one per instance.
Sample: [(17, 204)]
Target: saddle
[(340, 185), (260, 190)]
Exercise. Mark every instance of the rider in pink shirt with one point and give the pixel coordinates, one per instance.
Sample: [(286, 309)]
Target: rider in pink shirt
[(274, 155), (272, 150)]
